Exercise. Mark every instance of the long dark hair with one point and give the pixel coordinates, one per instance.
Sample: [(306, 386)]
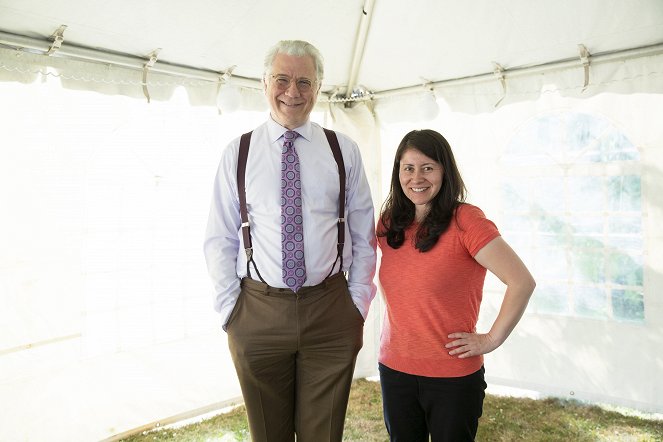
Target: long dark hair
[(398, 212)]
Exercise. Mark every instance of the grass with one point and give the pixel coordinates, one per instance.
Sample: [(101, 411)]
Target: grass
[(504, 419)]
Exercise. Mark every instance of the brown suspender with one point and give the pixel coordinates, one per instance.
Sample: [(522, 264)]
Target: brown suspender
[(336, 151), (244, 143)]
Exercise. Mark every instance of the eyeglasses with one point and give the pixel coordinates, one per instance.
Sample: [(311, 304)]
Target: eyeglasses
[(282, 82)]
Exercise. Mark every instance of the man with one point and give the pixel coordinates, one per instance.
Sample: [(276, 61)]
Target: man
[(294, 322)]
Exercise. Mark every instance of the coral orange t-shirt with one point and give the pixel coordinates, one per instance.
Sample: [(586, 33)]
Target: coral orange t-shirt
[(432, 294)]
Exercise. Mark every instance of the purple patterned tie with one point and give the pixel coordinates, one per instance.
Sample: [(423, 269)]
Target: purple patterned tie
[(292, 231)]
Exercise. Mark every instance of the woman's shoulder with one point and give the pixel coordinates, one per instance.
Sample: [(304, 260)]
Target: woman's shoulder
[(468, 212), (473, 221)]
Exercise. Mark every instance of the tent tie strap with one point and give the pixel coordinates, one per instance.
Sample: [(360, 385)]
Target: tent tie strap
[(58, 38), (584, 59), (498, 71), (146, 67), (224, 79)]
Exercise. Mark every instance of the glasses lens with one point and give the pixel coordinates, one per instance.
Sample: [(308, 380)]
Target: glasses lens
[(304, 85), (282, 82)]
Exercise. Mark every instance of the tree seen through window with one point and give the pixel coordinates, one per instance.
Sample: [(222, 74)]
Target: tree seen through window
[(571, 199)]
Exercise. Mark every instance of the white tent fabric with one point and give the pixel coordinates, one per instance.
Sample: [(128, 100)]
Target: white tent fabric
[(373, 47), (106, 324)]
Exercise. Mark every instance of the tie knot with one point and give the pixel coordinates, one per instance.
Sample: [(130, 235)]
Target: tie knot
[(288, 138), (290, 135)]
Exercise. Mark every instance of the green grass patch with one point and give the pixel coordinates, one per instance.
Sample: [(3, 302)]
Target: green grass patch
[(504, 419)]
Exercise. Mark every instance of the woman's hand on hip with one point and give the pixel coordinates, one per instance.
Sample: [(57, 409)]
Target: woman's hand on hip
[(465, 345)]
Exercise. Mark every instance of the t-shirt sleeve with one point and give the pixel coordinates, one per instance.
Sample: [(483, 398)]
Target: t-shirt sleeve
[(476, 230)]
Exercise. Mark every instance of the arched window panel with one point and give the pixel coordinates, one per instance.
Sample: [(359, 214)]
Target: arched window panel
[(571, 198)]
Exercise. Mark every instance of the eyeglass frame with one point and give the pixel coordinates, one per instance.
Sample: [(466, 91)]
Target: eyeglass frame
[(277, 77)]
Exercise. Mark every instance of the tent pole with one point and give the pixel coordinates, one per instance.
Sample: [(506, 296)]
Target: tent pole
[(360, 44), (72, 51), (644, 51), (69, 50)]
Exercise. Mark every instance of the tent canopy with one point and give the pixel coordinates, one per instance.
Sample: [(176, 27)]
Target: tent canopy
[(370, 46), (551, 107)]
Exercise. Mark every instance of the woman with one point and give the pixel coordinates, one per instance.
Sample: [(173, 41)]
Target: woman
[(435, 252)]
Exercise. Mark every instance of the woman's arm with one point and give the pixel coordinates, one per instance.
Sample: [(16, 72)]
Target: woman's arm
[(498, 257)]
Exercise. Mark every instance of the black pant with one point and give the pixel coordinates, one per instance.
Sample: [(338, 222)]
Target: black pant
[(447, 409)]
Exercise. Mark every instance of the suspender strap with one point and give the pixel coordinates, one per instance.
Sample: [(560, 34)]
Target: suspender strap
[(244, 144), (336, 151)]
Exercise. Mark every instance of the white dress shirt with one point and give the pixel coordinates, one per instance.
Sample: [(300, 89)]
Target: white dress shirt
[(224, 248)]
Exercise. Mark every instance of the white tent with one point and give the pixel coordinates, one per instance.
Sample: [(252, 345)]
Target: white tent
[(552, 108)]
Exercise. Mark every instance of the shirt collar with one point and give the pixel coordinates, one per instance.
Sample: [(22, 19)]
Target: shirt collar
[(275, 130)]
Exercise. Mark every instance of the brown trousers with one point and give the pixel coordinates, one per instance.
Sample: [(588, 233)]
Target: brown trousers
[(295, 355)]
